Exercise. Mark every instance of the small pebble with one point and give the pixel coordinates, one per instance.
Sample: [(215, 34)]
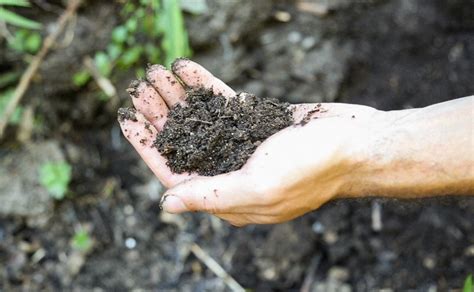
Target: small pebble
[(130, 243), (128, 210), (308, 43), (294, 37)]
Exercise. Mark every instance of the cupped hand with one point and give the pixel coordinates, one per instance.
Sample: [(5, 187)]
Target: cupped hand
[(291, 173)]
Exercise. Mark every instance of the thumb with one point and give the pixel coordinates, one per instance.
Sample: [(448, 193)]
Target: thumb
[(217, 194)]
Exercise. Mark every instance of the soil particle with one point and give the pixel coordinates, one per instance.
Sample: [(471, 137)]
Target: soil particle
[(214, 135), (132, 88), (127, 113), (308, 116)]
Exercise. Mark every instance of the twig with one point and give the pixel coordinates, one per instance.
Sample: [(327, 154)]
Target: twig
[(376, 216), (216, 268), (104, 83), (5, 32), (310, 273), (35, 63), (69, 34), (26, 125)]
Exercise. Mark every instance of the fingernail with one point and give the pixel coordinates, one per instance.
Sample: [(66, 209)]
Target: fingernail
[(176, 65), (173, 204)]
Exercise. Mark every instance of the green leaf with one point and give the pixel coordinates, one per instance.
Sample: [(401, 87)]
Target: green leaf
[(18, 20), (128, 8), (132, 25), (153, 53), (9, 78), (81, 78), (82, 241), (468, 285), (131, 56), (102, 96), (4, 100), (119, 34), (114, 51), (23, 3), (25, 40), (55, 177), (102, 61), (175, 38), (33, 42)]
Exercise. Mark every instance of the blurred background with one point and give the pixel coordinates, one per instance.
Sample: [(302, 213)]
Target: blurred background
[(79, 210)]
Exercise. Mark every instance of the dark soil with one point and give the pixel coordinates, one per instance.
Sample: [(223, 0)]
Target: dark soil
[(401, 54), (214, 135)]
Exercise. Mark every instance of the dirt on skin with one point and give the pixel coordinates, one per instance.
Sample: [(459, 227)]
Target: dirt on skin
[(213, 134)]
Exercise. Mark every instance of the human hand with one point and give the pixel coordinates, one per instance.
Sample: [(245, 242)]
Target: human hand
[(291, 173)]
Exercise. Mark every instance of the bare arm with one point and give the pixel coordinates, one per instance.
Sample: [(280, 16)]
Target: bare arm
[(419, 152), (347, 151)]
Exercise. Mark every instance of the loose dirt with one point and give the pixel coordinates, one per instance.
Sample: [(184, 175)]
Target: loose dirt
[(213, 135)]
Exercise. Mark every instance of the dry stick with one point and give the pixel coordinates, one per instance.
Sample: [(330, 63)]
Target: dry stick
[(310, 273), (35, 63), (103, 82), (216, 268)]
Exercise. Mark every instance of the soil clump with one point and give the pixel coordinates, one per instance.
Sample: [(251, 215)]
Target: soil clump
[(213, 134)]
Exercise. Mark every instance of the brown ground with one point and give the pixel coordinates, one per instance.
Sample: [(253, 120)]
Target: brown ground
[(391, 54)]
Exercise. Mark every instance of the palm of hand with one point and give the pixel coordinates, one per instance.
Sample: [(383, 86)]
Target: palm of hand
[(288, 175)]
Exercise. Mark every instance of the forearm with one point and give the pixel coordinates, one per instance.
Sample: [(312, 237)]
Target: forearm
[(418, 152)]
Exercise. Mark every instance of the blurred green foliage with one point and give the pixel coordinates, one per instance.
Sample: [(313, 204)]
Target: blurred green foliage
[(152, 31), (468, 285), (55, 177), (14, 19), (175, 38), (25, 41), (82, 241), (5, 97)]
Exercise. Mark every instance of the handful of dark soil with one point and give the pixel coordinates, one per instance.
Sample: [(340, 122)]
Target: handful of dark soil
[(213, 135)]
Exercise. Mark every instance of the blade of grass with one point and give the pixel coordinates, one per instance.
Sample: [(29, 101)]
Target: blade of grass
[(22, 3), (18, 20), (175, 37), (468, 285)]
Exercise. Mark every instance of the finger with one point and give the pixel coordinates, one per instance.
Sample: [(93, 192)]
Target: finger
[(166, 84), (218, 194), (148, 102), (141, 134), (194, 75)]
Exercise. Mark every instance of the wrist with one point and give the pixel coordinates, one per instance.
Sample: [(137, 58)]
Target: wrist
[(374, 156)]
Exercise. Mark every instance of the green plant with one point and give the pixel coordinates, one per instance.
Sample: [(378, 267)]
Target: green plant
[(468, 285), (146, 25), (14, 19), (25, 41), (175, 37), (81, 78), (82, 241), (5, 97), (55, 177)]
